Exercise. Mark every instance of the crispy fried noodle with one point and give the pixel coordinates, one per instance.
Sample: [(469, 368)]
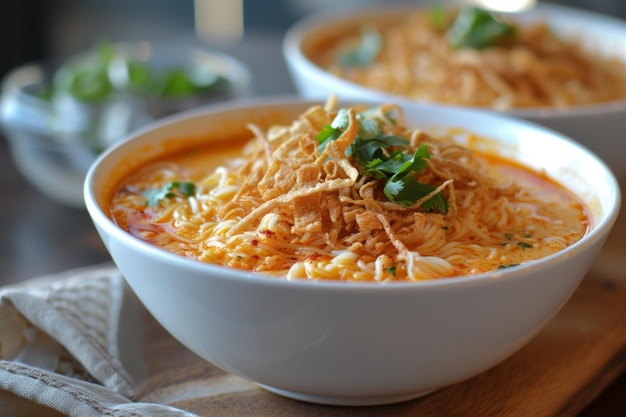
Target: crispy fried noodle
[(350, 194), (532, 68)]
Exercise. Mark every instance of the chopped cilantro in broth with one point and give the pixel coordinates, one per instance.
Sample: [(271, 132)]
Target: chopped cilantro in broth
[(172, 179), (476, 28), (365, 51), (562, 219)]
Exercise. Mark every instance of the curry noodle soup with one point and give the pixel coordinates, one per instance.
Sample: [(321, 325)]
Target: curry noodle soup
[(471, 57), (349, 194)]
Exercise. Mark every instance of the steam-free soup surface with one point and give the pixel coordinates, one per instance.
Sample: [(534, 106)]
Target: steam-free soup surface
[(309, 201)]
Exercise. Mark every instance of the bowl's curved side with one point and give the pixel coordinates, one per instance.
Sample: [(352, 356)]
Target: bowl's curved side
[(346, 344), (341, 343)]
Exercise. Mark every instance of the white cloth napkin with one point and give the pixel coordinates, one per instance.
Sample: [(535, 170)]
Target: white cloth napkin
[(59, 347)]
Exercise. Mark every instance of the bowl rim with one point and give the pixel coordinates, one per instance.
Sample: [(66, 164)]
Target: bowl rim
[(598, 232), (313, 23)]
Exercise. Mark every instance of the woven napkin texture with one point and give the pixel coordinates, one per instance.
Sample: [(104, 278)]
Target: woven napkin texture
[(59, 347)]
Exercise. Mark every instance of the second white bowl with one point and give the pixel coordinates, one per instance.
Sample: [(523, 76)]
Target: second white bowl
[(599, 127)]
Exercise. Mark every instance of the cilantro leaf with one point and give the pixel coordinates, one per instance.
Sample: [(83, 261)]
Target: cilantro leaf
[(368, 128), (186, 188), (139, 76), (392, 189), (437, 16), (408, 190), (176, 82), (419, 159), (341, 120), (334, 129), (367, 150), (476, 28), (365, 52), (384, 157), (327, 134), (396, 164), (438, 201), (404, 188), (170, 190)]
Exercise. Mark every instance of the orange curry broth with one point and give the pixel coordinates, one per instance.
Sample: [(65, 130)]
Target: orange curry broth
[(199, 161)]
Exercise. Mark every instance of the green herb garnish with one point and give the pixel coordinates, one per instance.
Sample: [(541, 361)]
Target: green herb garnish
[(169, 190), (392, 270), (333, 130), (385, 158), (476, 28), (524, 245), (88, 79), (402, 186), (179, 82), (437, 16), (365, 52), (507, 266), (140, 76)]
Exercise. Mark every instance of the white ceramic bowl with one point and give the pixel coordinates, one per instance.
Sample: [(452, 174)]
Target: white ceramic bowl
[(352, 343), (600, 127)]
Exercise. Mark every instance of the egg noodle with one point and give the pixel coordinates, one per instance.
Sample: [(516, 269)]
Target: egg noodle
[(533, 68), (294, 205)]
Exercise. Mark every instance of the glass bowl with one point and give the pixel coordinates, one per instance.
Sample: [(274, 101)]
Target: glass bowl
[(55, 134)]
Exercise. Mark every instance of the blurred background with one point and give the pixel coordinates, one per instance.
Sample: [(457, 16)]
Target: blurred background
[(37, 29)]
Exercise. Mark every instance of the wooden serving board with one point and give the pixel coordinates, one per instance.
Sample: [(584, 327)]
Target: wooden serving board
[(558, 373)]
